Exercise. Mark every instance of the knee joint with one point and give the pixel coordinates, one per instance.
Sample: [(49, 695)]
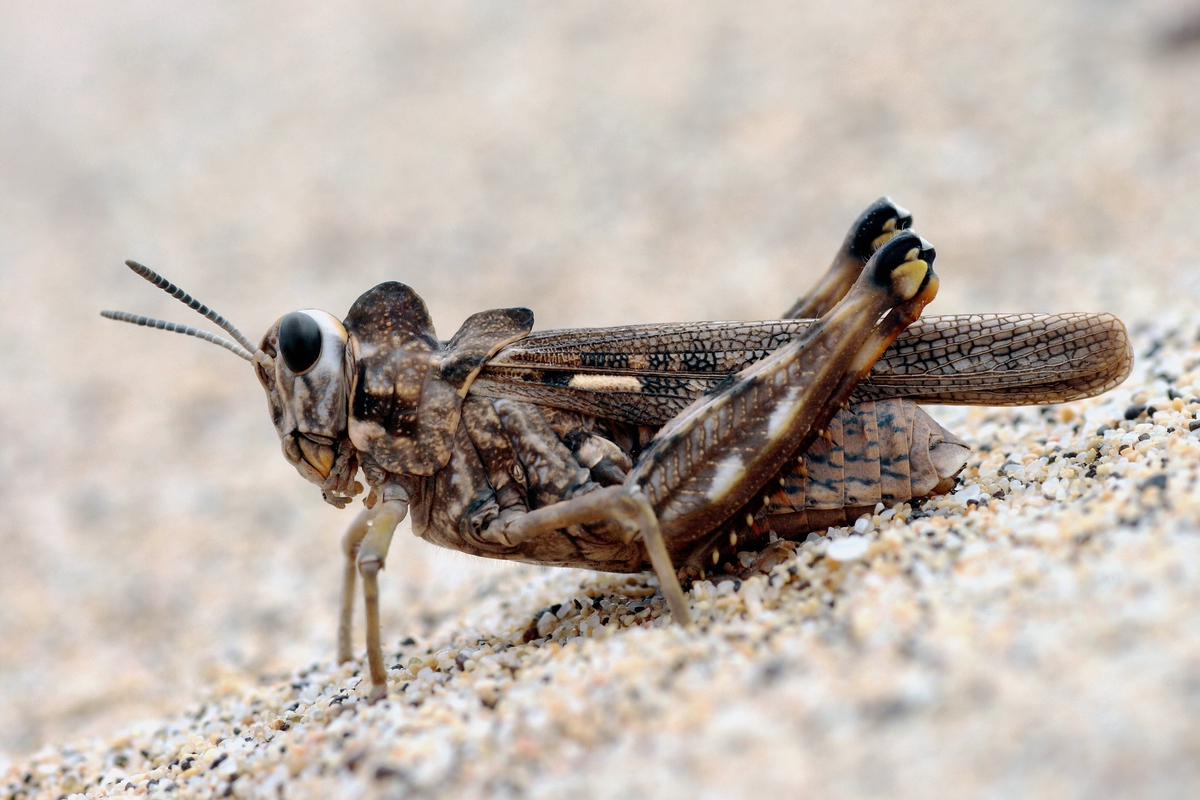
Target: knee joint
[(369, 564)]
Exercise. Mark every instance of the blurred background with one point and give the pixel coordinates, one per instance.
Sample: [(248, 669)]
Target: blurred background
[(600, 162)]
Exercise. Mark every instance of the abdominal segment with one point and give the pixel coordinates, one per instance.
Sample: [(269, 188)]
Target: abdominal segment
[(885, 451)]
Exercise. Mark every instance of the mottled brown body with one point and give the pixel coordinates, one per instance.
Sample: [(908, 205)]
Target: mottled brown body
[(509, 458), (667, 447)]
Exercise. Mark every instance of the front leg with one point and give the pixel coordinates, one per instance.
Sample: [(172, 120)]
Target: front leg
[(372, 554), (718, 453), (350, 544), (365, 546), (882, 220)]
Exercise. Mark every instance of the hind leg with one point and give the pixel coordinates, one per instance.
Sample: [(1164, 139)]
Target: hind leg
[(715, 456), (882, 220)]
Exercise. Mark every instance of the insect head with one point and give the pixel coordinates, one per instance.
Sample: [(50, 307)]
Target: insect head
[(380, 386)]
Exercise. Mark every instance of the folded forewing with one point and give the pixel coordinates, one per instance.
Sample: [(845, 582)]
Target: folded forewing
[(646, 374)]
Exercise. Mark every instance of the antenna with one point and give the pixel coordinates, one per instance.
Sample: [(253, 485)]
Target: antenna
[(243, 348), (186, 330), (190, 302)]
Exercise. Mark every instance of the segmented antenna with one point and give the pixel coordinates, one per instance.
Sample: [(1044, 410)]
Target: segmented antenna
[(190, 302), (186, 330)]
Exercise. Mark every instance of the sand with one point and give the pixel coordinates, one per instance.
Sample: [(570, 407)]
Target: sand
[(601, 164)]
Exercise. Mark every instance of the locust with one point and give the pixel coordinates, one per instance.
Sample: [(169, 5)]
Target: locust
[(669, 447)]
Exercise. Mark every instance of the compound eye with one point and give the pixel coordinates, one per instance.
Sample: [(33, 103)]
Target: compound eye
[(299, 341)]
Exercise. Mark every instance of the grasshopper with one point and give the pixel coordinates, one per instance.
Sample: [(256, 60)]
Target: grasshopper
[(663, 447)]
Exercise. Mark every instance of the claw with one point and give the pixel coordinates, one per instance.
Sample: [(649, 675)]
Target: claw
[(378, 692)]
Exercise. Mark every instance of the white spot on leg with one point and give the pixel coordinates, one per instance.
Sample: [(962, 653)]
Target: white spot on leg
[(729, 472), (783, 415)]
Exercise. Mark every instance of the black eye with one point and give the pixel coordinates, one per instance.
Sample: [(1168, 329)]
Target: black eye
[(299, 341)]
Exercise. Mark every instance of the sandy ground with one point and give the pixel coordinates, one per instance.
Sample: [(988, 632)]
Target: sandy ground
[(604, 163)]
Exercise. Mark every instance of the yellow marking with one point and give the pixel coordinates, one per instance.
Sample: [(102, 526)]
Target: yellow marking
[(733, 540), (749, 519), (716, 557), (882, 238), (908, 277), (605, 383)]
